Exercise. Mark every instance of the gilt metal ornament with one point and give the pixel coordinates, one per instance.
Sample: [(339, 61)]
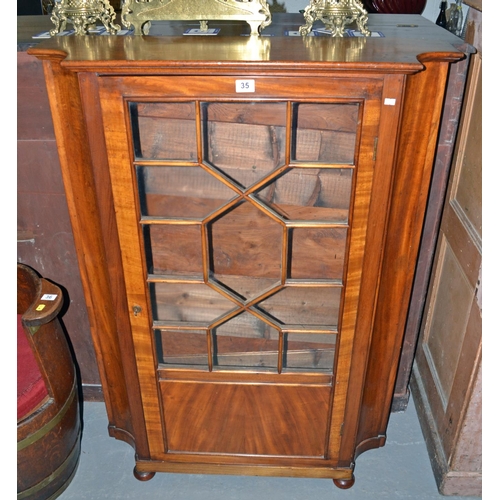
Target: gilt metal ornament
[(335, 15), (139, 13), (83, 14)]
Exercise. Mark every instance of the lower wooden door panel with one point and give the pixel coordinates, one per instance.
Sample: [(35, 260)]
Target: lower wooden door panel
[(249, 419)]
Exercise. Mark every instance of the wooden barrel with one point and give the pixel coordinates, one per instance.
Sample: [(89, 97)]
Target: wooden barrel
[(48, 435)]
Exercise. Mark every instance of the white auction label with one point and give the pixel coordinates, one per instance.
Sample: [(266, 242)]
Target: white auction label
[(49, 296), (389, 101), (245, 85)]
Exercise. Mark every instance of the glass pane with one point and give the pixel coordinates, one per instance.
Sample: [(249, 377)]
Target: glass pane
[(311, 194), (187, 347), (246, 250), (317, 253), (174, 250), (311, 352), (164, 131), (185, 192), (325, 132), (244, 140), (245, 342), (301, 306), (186, 303), (243, 143)]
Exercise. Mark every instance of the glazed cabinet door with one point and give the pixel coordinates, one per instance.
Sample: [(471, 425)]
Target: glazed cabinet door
[(250, 214)]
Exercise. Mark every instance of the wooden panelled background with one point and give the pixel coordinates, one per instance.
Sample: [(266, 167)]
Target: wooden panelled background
[(447, 373)]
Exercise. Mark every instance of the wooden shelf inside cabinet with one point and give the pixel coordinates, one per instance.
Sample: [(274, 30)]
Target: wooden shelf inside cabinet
[(246, 211)]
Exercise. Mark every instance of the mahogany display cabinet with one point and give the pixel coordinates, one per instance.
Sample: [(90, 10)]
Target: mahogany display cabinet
[(247, 212)]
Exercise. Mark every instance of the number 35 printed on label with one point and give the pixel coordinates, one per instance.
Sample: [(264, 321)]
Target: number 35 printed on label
[(245, 85)]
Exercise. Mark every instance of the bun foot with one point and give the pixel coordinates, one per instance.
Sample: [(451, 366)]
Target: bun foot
[(143, 475), (344, 484)]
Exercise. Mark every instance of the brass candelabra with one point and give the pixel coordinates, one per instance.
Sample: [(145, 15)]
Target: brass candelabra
[(335, 15), (83, 14)]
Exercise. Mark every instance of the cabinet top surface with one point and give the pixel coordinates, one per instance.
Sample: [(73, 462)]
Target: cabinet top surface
[(406, 42)]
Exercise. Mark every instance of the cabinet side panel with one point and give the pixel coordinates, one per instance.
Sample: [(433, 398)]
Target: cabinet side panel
[(383, 173), (76, 166), (415, 157), (126, 365), (444, 153)]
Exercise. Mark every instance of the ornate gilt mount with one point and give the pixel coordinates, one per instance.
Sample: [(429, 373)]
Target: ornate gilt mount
[(139, 13), (83, 14), (335, 15)]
